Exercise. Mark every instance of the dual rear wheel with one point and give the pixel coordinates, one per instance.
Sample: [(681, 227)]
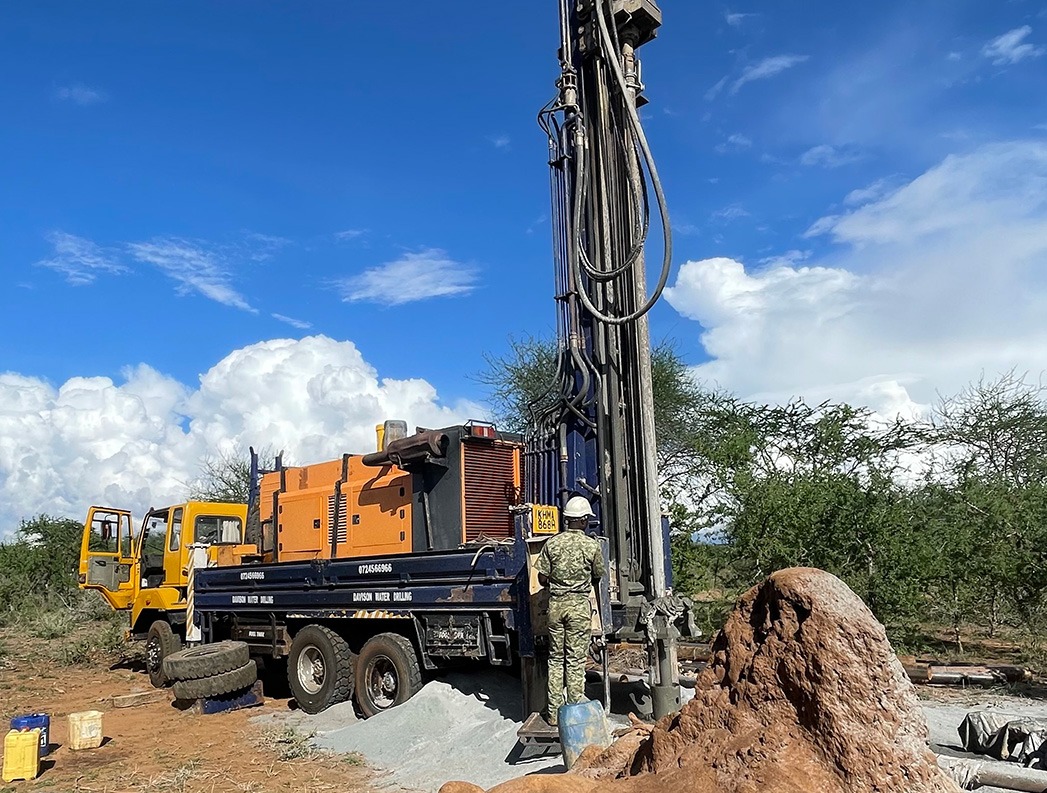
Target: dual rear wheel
[(322, 671)]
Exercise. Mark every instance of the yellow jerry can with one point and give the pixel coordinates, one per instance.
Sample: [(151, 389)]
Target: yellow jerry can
[(22, 755)]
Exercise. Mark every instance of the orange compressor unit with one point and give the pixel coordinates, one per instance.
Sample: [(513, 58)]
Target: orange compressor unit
[(435, 490)]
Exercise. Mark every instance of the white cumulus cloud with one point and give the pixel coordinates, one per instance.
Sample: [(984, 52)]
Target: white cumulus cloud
[(929, 286), (138, 441), (416, 276)]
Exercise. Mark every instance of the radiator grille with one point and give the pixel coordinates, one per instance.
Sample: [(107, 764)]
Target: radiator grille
[(343, 531), (490, 489)]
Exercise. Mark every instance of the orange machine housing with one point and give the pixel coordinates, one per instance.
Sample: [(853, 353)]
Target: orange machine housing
[(348, 508)]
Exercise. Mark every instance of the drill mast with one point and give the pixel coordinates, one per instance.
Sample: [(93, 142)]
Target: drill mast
[(598, 439)]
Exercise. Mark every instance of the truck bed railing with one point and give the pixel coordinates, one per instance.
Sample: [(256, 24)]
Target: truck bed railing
[(462, 580)]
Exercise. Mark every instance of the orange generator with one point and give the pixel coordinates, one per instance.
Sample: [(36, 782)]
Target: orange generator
[(435, 490)]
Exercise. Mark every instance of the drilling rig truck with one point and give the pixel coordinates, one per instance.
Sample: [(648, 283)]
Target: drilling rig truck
[(370, 570)]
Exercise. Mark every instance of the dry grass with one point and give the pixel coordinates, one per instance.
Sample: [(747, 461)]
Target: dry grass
[(287, 744)]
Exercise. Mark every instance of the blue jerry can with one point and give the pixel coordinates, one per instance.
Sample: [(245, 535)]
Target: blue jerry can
[(38, 721), (582, 724)]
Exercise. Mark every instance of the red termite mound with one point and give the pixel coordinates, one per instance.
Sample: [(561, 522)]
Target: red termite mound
[(803, 694)]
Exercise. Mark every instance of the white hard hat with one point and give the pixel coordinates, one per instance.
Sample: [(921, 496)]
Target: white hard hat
[(578, 507)]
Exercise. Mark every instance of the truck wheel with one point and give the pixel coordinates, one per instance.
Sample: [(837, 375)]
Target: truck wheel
[(319, 668), (387, 673), (160, 642), (206, 660), (217, 685)]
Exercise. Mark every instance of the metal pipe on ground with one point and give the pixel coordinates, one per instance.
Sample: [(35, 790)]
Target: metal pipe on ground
[(966, 675), (973, 774), (636, 675)]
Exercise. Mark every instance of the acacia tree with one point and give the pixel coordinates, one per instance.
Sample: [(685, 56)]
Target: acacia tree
[(688, 425), (988, 501), (520, 386), (40, 564), (226, 478), (817, 486)]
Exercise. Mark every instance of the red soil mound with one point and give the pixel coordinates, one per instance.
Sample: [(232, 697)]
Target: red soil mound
[(803, 694)]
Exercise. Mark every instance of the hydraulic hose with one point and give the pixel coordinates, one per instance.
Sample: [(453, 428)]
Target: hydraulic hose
[(637, 127)]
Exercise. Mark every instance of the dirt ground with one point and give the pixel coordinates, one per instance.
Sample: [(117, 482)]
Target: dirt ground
[(157, 748)]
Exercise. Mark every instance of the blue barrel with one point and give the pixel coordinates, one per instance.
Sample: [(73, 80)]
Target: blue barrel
[(31, 722), (582, 724)]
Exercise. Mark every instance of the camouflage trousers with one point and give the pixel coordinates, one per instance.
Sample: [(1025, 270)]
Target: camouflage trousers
[(570, 631)]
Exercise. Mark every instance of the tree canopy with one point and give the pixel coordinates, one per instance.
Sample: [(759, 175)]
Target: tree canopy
[(942, 518)]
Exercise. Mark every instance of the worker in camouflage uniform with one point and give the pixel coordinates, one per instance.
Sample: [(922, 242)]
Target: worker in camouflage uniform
[(570, 563)]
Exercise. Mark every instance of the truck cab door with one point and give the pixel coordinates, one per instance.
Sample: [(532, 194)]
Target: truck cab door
[(106, 559)]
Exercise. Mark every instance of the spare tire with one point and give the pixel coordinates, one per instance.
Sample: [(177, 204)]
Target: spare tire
[(216, 685), (206, 660)]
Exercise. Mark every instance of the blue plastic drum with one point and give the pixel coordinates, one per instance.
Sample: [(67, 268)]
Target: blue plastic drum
[(581, 725), (31, 722)]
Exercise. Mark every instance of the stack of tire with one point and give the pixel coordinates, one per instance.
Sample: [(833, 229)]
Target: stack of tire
[(221, 670)]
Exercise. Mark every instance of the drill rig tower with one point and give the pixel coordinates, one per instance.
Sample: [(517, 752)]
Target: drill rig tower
[(598, 437)]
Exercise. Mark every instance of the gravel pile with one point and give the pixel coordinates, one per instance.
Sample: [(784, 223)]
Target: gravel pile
[(460, 727)]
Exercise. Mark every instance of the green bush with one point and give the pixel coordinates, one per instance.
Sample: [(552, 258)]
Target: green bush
[(53, 624), (38, 570), (98, 643)]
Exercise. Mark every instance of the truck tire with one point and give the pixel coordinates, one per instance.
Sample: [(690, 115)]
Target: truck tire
[(206, 660), (160, 642), (216, 685), (387, 673), (319, 668)]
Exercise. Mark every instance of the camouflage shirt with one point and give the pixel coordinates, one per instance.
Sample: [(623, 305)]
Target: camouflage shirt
[(572, 561)]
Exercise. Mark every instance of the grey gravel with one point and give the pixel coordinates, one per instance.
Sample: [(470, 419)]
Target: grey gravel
[(461, 727)]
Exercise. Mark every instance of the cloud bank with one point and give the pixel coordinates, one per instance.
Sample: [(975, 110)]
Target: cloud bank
[(139, 441), (928, 285)]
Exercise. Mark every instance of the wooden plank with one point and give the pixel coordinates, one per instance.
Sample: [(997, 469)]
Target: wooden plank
[(137, 698)]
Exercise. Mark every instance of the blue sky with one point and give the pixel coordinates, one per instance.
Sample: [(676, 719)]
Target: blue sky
[(183, 182)]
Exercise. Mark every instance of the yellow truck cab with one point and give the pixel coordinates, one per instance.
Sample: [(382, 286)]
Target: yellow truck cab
[(147, 572)]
